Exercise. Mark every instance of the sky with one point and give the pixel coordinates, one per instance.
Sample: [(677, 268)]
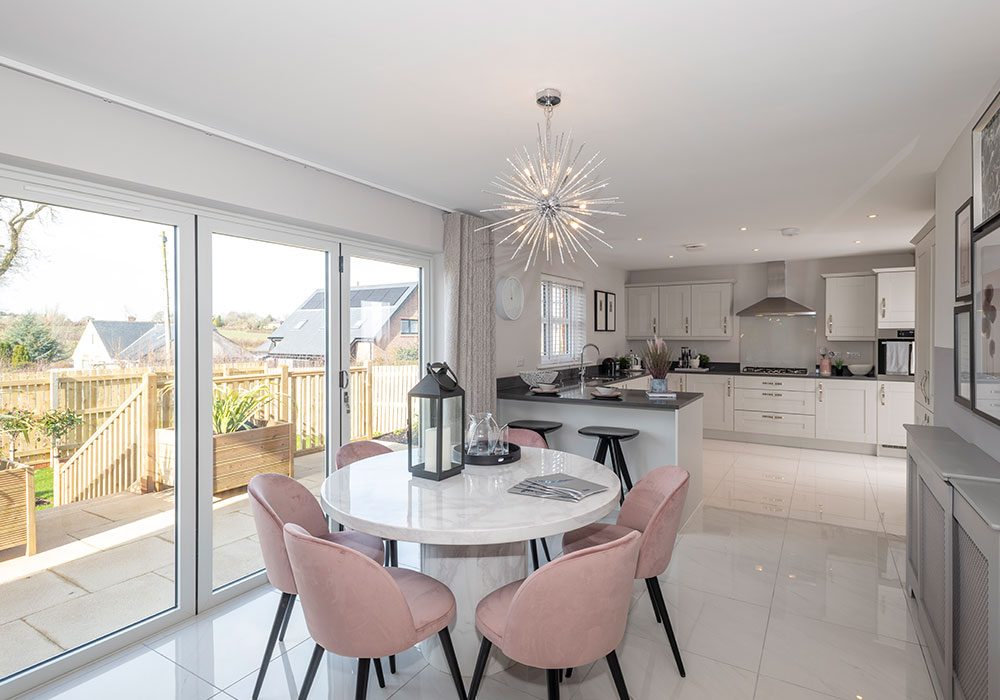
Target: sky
[(107, 267)]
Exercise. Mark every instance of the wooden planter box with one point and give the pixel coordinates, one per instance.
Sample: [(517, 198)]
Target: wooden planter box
[(238, 457), (17, 506)]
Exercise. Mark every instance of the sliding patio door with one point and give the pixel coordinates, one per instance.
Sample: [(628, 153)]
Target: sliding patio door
[(269, 304), (97, 370)]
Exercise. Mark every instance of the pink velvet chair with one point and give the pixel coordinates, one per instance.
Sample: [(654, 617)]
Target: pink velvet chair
[(529, 438), (568, 613), (356, 608), (276, 500), (654, 509)]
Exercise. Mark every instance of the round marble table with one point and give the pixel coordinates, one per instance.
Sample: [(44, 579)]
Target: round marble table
[(471, 531)]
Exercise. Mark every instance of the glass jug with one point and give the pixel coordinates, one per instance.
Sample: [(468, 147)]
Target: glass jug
[(482, 435)]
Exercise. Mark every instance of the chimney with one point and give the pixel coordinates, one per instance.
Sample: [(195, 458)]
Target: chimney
[(131, 319)]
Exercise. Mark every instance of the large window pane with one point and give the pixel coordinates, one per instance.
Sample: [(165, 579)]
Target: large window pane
[(87, 508), (269, 358), (385, 345)]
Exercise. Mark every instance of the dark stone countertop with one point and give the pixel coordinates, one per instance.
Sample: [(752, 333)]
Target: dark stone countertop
[(571, 393)]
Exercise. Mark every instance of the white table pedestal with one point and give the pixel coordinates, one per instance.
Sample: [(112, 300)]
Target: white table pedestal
[(471, 572)]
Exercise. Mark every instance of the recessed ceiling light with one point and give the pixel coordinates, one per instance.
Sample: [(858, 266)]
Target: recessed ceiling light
[(671, 257), (756, 250), (743, 228), (873, 216), (856, 242), (638, 238)]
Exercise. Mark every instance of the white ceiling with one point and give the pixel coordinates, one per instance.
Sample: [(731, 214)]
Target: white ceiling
[(713, 115)]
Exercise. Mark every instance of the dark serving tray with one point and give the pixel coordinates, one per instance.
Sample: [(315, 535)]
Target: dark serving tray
[(513, 455)]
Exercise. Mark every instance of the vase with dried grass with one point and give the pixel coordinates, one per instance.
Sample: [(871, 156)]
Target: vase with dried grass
[(657, 357)]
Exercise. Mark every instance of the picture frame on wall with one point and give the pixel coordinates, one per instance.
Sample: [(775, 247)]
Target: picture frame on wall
[(986, 167), (600, 310), (985, 346), (963, 252), (612, 314), (963, 355)]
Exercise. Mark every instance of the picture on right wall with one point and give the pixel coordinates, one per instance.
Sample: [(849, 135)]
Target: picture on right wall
[(986, 167)]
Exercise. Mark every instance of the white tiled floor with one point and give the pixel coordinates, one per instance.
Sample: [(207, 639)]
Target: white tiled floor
[(784, 584)]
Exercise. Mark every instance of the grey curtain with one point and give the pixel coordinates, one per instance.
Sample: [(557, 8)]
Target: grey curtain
[(469, 294)]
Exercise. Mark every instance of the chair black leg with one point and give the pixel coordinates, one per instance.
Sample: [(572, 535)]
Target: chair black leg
[(601, 453), (392, 662), (622, 465), (449, 653), (652, 600), (616, 674), (552, 680), (378, 673), (311, 672), (545, 548), (616, 468), (560, 675), (288, 616), (361, 689), (477, 675), (394, 553), (654, 588), (279, 618), (569, 672), (534, 553)]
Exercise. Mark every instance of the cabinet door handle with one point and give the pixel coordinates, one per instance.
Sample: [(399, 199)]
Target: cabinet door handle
[(829, 324), (729, 387), (820, 387), (881, 394), (687, 325), (882, 305), (654, 325), (725, 324)]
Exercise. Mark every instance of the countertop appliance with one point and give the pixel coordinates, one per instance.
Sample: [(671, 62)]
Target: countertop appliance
[(609, 367), (896, 352)]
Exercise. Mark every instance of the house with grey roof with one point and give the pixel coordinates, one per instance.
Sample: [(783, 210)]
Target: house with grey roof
[(116, 344), (384, 318)]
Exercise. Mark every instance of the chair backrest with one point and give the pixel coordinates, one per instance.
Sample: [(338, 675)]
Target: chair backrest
[(362, 449), (352, 606), (654, 507), (276, 500), (573, 611), (526, 438)]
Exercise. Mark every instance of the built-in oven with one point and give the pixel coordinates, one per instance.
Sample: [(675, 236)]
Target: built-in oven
[(896, 352)]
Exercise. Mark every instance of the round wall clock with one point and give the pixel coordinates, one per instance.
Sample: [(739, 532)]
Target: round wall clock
[(510, 298)]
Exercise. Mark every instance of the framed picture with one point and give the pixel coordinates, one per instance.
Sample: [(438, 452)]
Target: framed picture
[(963, 252), (963, 355), (609, 306), (986, 167), (985, 346), (600, 310)]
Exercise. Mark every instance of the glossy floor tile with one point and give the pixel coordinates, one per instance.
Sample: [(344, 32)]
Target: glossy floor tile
[(785, 584)]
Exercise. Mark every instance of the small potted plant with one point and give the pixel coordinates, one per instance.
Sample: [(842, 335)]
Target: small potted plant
[(838, 367), (624, 364), (657, 357)]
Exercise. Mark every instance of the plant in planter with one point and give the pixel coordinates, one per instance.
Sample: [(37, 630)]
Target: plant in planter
[(234, 410), (17, 484), (56, 424), (624, 363), (657, 357), (838, 366), (703, 360), (15, 424)]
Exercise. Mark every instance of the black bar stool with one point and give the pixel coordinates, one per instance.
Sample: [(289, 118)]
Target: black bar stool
[(538, 426), (609, 439)]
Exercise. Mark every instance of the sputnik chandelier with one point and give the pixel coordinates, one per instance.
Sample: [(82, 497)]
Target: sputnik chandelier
[(547, 200)]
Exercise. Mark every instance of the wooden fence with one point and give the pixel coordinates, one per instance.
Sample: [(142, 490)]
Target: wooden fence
[(114, 448)]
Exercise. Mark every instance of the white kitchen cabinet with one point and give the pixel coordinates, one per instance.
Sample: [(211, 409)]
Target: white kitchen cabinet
[(895, 409), (846, 410), (923, 348), (717, 401), (921, 415), (776, 401), (699, 311), (897, 299), (711, 310), (641, 309), (850, 307), (675, 311), (766, 423)]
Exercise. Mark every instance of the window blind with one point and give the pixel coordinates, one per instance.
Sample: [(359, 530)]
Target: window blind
[(564, 329)]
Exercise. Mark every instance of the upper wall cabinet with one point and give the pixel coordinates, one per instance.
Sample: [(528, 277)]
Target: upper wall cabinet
[(691, 311), (897, 297), (850, 307)]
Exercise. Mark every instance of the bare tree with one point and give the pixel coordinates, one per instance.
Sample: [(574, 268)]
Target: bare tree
[(15, 216)]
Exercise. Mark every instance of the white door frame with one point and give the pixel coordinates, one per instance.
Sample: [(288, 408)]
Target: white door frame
[(271, 233), (67, 192)]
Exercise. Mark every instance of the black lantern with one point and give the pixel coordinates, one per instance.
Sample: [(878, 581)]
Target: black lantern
[(434, 428)]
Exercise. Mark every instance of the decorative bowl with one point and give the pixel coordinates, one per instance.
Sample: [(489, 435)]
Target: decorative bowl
[(546, 387), (539, 376), (859, 370), (605, 390)]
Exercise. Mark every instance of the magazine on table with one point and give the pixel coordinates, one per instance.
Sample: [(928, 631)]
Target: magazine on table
[(560, 487)]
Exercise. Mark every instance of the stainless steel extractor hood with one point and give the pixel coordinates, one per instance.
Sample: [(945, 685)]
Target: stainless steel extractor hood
[(776, 303)]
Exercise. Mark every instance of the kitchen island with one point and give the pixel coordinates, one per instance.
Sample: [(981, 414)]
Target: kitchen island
[(670, 430)]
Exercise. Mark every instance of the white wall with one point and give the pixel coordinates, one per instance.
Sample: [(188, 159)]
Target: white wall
[(520, 340), (59, 129), (803, 284)]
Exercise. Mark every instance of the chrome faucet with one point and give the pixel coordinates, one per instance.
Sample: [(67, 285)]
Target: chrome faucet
[(583, 378)]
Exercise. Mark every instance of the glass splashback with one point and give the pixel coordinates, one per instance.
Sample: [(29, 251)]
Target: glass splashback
[(778, 341)]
